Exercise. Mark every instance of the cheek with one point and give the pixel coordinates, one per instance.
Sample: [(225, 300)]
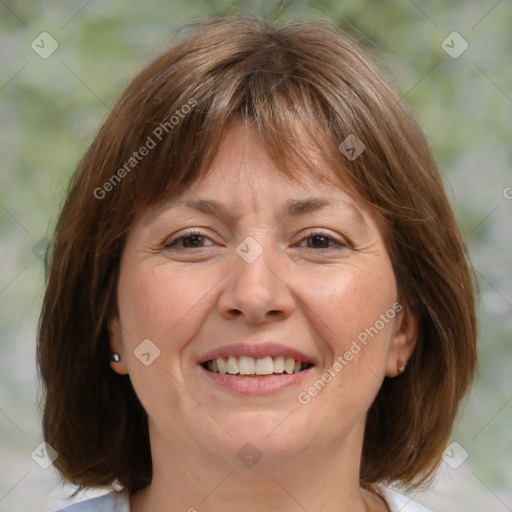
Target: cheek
[(167, 307), (349, 306), (163, 304), (347, 316)]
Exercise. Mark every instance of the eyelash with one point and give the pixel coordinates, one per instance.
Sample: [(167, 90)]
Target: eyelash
[(170, 245), (183, 236)]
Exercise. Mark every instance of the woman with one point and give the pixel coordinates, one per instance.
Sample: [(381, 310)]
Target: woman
[(258, 297)]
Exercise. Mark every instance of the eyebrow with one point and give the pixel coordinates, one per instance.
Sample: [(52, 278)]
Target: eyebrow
[(293, 207)]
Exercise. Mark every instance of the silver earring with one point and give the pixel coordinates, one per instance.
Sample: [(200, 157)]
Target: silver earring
[(401, 367), (115, 357)]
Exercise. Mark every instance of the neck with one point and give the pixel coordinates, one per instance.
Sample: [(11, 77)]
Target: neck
[(318, 478)]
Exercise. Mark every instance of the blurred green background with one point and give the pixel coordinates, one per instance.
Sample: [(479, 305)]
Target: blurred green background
[(50, 109)]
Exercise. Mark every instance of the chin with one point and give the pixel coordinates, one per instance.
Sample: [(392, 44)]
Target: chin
[(275, 437)]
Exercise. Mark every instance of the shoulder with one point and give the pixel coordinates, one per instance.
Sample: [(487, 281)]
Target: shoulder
[(399, 503), (111, 502)]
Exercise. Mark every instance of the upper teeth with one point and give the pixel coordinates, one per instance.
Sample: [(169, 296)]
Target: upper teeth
[(251, 366)]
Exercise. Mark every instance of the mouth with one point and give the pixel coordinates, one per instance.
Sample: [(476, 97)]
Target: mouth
[(251, 367)]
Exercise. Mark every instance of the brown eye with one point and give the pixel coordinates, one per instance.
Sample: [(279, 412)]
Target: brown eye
[(190, 240), (321, 241), (318, 241)]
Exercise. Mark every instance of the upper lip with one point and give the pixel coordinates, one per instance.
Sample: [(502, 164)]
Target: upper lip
[(256, 350)]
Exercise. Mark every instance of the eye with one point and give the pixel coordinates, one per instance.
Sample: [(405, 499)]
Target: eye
[(188, 240), (320, 240)]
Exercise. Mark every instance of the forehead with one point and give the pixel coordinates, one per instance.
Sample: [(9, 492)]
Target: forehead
[(243, 175), (243, 163)]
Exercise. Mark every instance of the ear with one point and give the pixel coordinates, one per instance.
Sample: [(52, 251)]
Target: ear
[(117, 346), (404, 341)]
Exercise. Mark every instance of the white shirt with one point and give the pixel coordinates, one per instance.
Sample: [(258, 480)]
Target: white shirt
[(120, 502), (398, 503)]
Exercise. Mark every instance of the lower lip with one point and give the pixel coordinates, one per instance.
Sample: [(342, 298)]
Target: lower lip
[(264, 385)]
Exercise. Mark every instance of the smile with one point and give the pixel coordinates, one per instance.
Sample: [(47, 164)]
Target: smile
[(245, 366)]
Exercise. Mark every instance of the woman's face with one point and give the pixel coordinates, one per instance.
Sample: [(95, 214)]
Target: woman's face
[(244, 278)]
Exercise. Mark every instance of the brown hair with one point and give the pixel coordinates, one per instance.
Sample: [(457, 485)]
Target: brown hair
[(304, 76)]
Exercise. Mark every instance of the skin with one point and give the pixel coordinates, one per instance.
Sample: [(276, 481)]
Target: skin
[(192, 295)]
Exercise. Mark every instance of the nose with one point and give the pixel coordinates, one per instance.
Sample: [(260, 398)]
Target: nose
[(256, 291)]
